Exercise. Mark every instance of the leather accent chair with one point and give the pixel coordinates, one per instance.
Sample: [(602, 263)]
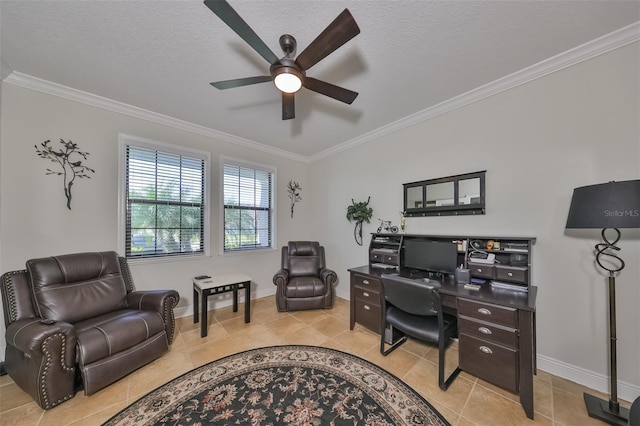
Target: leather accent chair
[(77, 318), (414, 309), (304, 282)]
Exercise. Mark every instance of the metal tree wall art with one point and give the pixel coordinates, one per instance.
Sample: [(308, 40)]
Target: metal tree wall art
[(63, 157), (294, 191)]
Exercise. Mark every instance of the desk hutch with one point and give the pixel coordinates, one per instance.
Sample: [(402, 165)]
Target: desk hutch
[(496, 324)]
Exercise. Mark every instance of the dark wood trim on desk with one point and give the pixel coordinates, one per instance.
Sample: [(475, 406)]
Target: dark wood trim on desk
[(514, 299), (365, 310)]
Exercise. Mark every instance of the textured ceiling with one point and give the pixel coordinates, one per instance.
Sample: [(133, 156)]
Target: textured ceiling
[(409, 56)]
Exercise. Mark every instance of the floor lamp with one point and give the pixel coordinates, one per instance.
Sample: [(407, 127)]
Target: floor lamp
[(607, 206)]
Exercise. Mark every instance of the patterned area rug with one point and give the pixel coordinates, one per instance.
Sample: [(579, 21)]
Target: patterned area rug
[(283, 385)]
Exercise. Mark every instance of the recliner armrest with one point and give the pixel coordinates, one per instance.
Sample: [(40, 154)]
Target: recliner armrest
[(281, 277), (161, 301), (30, 336), (328, 276)]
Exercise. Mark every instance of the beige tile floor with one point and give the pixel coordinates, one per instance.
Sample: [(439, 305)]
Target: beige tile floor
[(469, 401)]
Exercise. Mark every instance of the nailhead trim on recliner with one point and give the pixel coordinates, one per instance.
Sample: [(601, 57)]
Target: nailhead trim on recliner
[(43, 377), (124, 270), (11, 295), (168, 312)]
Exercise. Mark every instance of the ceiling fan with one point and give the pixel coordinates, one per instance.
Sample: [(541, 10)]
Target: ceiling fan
[(289, 75)]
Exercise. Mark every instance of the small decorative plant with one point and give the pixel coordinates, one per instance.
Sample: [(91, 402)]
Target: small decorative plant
[(294, 191), (359, 212), (70, 169)]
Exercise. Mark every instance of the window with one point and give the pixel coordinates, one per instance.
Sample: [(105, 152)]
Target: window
[(248, 192), (165, 209)]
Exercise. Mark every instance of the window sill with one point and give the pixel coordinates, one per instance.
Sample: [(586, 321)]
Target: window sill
[(163, 259)]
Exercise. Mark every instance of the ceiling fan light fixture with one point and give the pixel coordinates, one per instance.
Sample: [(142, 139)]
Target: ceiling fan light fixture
[(287, 81)]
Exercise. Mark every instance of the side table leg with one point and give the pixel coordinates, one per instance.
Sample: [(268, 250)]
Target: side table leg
[(196, 317), (247, 301), (204, 324), (235, 297)]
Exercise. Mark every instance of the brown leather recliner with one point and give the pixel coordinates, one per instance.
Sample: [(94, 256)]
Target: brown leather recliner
[(304, 282), (77, 318)]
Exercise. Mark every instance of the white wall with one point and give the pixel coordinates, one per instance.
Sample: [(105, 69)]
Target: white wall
[(537, 142), (34, 220), (5, 70)]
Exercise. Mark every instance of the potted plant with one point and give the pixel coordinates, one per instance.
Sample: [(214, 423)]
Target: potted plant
[(359, 212)]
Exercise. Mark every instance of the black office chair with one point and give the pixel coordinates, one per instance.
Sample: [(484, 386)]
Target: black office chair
[(413, 308), (634, 412)]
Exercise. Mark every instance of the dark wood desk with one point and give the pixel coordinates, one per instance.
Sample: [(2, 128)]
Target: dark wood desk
[(496, 329)]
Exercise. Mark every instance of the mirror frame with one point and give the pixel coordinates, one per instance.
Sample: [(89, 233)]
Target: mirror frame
[(450, 210)]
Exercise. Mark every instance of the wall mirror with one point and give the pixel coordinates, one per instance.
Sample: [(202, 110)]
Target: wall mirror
[(414, 197), (452, 195), (469, 191), (440, 194)]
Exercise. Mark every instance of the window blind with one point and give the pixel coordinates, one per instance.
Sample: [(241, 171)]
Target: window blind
[(164, 203), (248, 207)]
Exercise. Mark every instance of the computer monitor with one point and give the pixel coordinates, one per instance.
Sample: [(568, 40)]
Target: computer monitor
[(439, 256)]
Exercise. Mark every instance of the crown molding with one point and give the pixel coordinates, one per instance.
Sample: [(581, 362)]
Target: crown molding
[(599, 46), (50, 88)]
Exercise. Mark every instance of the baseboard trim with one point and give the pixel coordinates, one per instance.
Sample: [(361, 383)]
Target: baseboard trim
[(600, 382)]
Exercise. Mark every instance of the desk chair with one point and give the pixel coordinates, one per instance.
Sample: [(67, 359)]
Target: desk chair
[(413, 307), (634, 412)]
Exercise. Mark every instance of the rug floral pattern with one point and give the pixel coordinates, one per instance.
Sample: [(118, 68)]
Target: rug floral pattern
[(283, 385)]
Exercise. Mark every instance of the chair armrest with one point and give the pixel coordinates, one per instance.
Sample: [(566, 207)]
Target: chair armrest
[(161, 301), (33, 338), (281, 277), (328, 276), (41, 359)]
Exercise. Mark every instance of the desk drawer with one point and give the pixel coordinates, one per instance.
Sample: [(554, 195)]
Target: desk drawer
[(489, 332), (448, 301), (493, 363), (366, 282), (375, 257), (367, 295), (368, 314), (481, 270), (389, 259), (500, 315), (512, 273)]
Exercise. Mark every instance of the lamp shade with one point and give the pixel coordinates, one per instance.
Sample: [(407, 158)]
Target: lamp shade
[(606, 205), (287, 82)]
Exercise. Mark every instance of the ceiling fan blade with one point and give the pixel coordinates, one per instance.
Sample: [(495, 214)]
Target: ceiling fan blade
[(238, 82), (340, 31), (288, 106), (343, 95), (230, 17)]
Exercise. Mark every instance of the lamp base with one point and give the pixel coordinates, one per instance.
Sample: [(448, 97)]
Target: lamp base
[(599, 409)]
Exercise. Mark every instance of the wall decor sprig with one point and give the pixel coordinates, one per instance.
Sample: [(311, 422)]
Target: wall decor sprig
[(70, 169), (294, 190), (359, 212)]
